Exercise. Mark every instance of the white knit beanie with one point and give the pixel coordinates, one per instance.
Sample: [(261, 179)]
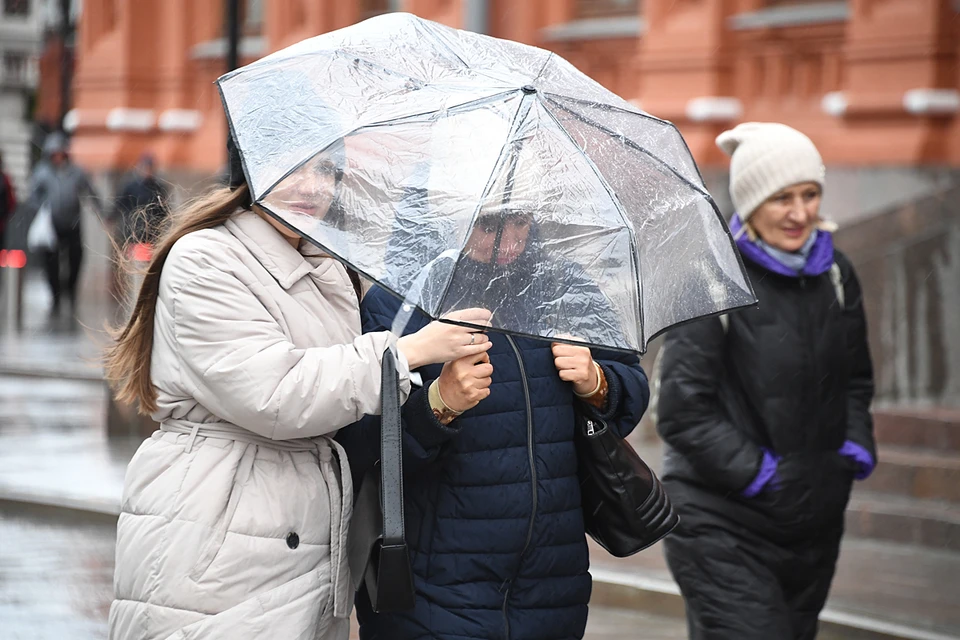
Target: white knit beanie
[(765, 158)]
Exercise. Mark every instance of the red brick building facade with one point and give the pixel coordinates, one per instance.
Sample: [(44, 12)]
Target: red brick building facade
[(873, 82)]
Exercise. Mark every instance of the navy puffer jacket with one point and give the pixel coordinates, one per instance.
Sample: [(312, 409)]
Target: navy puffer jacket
[(492, 501)]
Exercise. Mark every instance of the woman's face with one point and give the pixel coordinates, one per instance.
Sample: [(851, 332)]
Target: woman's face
[(483, 238), (310, 190), (787, 219)]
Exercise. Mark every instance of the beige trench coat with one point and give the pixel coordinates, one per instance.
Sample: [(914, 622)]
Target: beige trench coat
[(235, 513)]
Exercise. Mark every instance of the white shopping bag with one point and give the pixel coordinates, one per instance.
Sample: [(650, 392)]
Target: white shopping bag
[(42, 236)]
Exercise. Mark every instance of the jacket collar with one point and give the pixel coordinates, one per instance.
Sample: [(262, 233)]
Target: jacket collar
[(271, 249), (818, 260)]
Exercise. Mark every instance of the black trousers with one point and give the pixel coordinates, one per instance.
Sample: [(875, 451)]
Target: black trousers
[(738, 586), (69, 246)]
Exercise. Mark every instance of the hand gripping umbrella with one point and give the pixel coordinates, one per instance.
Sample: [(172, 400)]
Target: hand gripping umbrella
[(459, 171)]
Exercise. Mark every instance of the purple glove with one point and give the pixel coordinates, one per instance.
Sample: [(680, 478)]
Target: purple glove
[(766, 474), (865, 462)]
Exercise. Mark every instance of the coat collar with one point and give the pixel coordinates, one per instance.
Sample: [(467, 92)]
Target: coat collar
[(271, 249)]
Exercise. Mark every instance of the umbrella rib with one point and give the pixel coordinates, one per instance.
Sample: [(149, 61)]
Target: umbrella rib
[(623, 216), (330, 53), (638, 112), (438, 33), (634, 145), (443, 40), (463, 106), (709, 198), (609, 107), (514, 127), (544, 67), (628, 142), (379, 123), (231, 131)]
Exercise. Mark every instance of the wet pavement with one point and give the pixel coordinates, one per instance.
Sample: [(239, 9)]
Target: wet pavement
[(56, 575), (65, 344), (53, 448), (56, 582), (899, 584), (56, 564)]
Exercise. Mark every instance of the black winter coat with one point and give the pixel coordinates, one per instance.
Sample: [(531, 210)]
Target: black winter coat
[(492, 501), (794, 376)]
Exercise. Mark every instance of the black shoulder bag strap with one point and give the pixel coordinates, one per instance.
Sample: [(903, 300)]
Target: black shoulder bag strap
[(391, 462), (389, 576)]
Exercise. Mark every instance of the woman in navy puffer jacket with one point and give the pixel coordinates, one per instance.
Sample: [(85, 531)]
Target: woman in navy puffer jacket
[(492, 501)]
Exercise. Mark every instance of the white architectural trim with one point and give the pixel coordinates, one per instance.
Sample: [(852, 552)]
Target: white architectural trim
[(180, 120), (595, 29), (127, 119), (249, 47), (791, 16), (714, 109), (71, 120), (834, 104), (924, 102)]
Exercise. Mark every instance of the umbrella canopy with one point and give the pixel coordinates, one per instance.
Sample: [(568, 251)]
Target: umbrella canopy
[(459, 170)]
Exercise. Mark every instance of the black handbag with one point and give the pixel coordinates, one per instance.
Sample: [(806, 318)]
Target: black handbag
[(625, 508), (377, 547)]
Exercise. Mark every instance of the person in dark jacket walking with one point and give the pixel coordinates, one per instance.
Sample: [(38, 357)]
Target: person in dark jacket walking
[(60, 184), (766, 412), (141, 206), (492, 500)]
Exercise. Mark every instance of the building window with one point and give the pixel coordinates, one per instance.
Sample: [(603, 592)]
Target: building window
[(15, 68), (607, 8), (16, 7), (370, 8), (252, 17)]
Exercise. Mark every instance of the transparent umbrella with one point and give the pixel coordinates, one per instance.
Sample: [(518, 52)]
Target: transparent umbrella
[(459, 170)]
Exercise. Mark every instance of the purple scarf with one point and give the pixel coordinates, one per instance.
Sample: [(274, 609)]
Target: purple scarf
[(818, 262)]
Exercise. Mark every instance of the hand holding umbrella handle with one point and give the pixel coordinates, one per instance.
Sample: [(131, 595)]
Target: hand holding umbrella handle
[(575, 365), (441, 342), (465, 382)]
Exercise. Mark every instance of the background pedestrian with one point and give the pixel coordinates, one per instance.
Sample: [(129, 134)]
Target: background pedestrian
[(766, 412)]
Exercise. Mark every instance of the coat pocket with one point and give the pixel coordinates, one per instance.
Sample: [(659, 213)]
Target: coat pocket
[(211, 548), (269, 615), (811, 491)]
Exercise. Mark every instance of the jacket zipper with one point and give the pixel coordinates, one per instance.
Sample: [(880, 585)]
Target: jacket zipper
[(809, 333), (533, 477), (591, 427)]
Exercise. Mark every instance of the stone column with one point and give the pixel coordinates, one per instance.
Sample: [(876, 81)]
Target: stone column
[(686, 72), (900, 74)]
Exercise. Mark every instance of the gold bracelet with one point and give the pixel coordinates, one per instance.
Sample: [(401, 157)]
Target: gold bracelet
[(599, 383)]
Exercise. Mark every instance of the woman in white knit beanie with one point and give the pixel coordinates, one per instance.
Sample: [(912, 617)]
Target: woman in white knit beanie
[(766, 413), (773, 166)]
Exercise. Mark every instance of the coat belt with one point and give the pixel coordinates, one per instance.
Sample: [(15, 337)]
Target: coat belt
[(340, 489)]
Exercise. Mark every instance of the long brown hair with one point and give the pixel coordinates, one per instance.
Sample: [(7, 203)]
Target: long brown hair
[(127, 360)]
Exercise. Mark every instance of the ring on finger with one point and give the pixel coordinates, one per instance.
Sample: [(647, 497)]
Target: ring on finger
[(473, 338)]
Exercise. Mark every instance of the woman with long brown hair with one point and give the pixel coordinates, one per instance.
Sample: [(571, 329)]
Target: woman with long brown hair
[(244, 344)]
